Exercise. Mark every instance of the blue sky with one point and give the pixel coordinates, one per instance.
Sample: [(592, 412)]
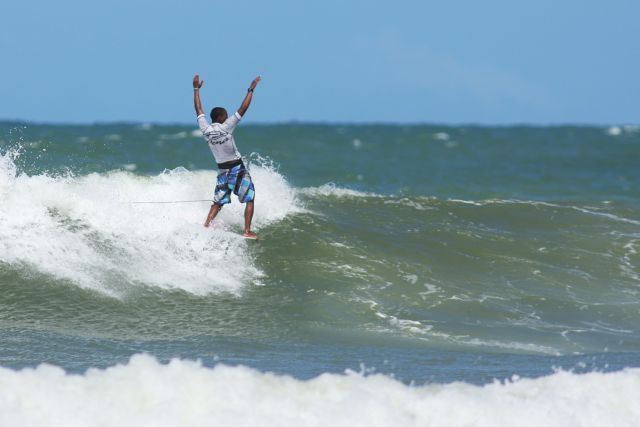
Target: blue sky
[(489, 62)]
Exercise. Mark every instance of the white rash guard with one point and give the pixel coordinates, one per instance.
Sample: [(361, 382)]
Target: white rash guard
[(219, 136)]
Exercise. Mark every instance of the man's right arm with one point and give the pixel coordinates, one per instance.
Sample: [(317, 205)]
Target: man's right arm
[(197, 84)]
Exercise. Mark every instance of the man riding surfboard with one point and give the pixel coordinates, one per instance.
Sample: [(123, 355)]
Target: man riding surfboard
[(232, 173)]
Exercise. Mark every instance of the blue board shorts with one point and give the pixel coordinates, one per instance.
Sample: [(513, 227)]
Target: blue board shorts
[(237, 180)]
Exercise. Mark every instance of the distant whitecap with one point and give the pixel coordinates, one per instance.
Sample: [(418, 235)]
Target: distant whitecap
[(441, 136), (614, 131)]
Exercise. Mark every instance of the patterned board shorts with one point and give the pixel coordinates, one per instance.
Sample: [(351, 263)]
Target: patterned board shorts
[(236, 179)]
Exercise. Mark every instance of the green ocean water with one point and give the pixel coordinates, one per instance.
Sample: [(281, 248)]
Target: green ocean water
[(427, 252)]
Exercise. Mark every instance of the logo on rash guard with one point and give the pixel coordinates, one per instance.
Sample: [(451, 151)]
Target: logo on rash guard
[(217, 137)]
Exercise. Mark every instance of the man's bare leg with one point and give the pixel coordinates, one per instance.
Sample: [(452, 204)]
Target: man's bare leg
[(215, 208), (248, 216)]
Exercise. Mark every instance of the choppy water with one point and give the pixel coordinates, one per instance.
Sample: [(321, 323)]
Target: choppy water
[(427, 253)]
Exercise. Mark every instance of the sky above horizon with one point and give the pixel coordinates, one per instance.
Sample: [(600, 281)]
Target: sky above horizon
[(491, 62)]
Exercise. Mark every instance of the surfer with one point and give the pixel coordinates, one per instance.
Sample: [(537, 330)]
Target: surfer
[(232, 174)]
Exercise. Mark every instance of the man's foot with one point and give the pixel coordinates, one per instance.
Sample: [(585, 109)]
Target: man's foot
[(250, 235), (215, 208)]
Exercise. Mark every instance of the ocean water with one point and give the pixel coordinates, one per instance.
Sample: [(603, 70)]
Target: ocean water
[(405, 275)]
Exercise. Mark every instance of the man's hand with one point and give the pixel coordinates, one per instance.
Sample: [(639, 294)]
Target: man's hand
[(255, 82), (197, 83)]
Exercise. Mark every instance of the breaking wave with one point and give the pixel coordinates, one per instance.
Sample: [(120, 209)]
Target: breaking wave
[(146, 392)]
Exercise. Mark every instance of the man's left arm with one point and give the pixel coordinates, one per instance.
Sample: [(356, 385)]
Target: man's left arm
[(247, 99)]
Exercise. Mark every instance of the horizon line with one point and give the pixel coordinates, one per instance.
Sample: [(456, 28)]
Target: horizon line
[(323, 123)]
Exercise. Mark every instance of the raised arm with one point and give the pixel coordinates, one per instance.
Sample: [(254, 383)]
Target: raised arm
[(197, 84), (247, 99)]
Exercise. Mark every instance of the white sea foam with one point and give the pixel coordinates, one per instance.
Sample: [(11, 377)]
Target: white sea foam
[(145, 126), (8, 168), (411, 203), (113, 137), (86, 230), (331, 190), (589, 211), (184, 393), (174, 136), (614, 131), (441, 136)]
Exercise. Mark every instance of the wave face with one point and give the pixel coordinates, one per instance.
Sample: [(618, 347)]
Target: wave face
[(144, 392), (473, 240), (90, 231)]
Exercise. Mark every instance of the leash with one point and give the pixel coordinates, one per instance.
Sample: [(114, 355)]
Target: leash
[(177, 201)]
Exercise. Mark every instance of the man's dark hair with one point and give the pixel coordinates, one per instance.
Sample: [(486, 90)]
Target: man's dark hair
[(217, 114)]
